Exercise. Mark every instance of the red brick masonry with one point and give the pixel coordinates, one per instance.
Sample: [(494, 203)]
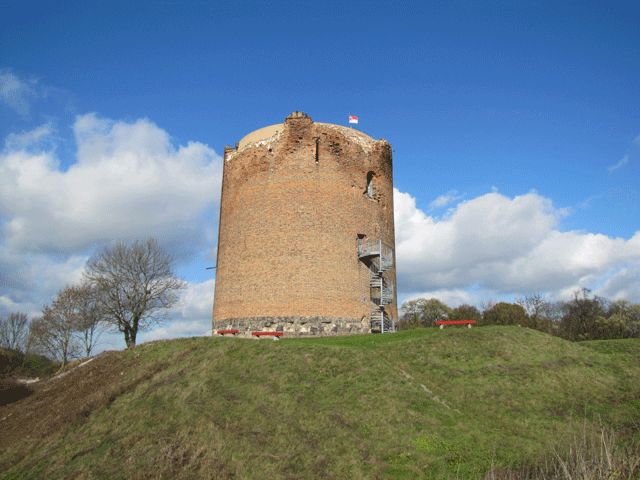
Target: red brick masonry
[(292, 207)]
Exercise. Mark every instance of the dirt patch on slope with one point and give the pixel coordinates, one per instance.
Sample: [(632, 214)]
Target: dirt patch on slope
[(68, 398), (12, 391)]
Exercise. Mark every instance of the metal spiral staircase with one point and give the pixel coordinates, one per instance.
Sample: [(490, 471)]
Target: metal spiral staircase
[(379, 258)]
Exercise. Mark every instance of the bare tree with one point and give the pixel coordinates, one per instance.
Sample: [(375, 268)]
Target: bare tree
[(14, 329), (135, 284), (432, 310), (504, 313), (580, 315), (465, 312), (423, 312), (534, 304), (541, 312), (53, 333), (410, 314), (88, 322)]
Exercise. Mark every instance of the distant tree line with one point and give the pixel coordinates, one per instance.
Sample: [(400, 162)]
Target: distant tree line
[(125, 287), (583, 317)]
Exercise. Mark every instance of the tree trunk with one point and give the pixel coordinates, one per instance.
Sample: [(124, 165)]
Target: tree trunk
[(130, 335), (134, 330)]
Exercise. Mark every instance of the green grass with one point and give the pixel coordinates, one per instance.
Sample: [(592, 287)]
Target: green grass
[(416, 404)]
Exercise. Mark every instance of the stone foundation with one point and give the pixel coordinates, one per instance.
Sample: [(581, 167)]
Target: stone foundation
[(296, 326)]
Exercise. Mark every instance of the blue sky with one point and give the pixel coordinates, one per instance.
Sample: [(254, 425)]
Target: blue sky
[(485, 103)]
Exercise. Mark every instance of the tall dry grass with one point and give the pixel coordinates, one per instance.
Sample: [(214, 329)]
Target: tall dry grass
[(589, 456)]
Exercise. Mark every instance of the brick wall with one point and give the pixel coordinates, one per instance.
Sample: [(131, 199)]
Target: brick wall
[(291, 209)]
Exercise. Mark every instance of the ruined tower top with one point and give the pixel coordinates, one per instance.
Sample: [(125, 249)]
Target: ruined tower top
[(298, 114), (270, 135)]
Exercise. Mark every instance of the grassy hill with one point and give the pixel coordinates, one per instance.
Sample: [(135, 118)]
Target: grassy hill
[(416, 404)]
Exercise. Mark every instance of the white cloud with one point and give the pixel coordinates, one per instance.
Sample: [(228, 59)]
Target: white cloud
[(15, 92), (445, 199), (29, 280), (621, 163), (451, 297), (191, 316), (128, 181), (503, 246), (30, 139), (624, 284)]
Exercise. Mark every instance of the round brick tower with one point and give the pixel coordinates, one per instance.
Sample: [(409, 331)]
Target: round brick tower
[(306, 239)]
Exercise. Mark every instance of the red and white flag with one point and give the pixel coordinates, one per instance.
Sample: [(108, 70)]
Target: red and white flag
[(353, 119)]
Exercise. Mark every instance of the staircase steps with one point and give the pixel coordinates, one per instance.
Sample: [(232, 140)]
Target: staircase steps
[(379, 258)]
